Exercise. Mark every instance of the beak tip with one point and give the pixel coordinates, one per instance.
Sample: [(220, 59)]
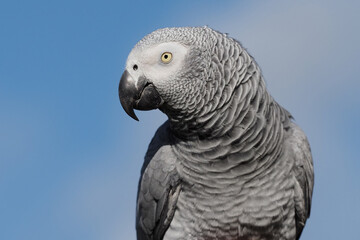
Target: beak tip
[(135, 117), (128, 109), (132, 114)]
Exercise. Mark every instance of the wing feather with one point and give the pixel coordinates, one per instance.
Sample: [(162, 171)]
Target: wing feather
[(304, 176), (159, 188)]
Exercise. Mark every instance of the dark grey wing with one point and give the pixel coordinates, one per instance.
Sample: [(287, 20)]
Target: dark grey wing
[(159, 188), (304, 176)]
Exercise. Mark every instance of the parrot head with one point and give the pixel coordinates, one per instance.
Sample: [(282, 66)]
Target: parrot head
[(166, 70)]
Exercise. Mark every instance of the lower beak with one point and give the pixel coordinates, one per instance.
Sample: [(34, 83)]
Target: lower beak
[(142, 96)]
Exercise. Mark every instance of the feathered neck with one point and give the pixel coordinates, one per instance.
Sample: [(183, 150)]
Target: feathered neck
[(232, 92), (242, 125)]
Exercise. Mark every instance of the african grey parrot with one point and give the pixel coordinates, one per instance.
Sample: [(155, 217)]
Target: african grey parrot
[(229, 163)]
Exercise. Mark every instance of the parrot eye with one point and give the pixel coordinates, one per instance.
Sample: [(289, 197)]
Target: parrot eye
[(135, 67), (166, 57)]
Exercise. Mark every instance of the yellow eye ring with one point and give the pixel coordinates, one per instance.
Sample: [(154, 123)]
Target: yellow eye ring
[(166, 57)]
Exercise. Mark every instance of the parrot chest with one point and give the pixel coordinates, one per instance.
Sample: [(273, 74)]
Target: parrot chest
[(226, 206)]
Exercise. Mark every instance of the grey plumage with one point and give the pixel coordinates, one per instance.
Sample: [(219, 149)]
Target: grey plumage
[(229, 163)]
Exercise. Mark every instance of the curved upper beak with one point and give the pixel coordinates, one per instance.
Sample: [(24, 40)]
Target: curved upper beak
[(141, 95)]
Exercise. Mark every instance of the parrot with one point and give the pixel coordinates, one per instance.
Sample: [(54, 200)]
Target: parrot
[(229, 162)]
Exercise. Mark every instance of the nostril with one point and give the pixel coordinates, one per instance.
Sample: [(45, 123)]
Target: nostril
[(135, 67)]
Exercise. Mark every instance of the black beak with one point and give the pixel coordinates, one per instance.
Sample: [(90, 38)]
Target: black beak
[(144, 96)]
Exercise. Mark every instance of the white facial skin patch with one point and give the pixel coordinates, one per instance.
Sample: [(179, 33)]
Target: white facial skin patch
[(149, 64)]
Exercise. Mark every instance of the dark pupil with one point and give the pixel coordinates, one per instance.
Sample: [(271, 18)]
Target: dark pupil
[(165, 56), (135, 67)]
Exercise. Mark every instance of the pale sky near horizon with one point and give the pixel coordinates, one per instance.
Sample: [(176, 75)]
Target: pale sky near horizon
[(69, 155)]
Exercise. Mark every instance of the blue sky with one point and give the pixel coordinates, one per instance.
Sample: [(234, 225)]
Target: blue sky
[(69, 155)]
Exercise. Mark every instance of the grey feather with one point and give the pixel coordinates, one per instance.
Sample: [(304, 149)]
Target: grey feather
[(304, 175), (159, 188), (230, 163)]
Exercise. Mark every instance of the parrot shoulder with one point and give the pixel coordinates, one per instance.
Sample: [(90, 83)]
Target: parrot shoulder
[(159, 188), (303, 173)]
